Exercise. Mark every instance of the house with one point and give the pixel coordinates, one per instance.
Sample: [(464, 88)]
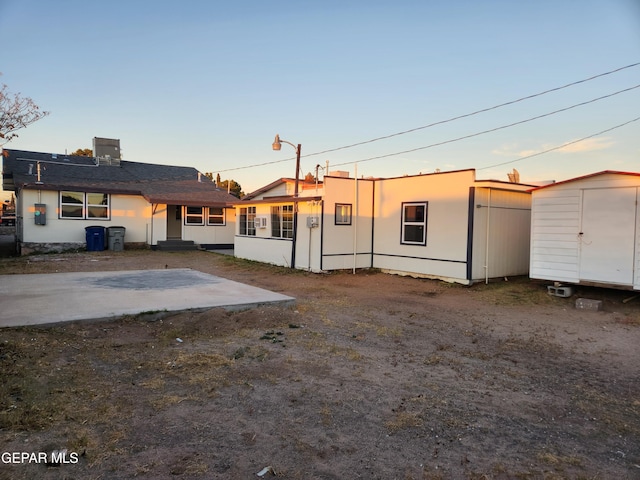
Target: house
[(58, 196), (586, 230), (442, 225), (267, 224), (7, 214)]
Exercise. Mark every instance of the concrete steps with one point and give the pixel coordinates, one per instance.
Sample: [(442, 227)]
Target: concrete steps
[(176, 245)]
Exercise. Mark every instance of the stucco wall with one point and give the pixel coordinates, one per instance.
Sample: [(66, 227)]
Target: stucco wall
[(445, 252), (212, 234), (264, 248), (131, 212), (347, 246)]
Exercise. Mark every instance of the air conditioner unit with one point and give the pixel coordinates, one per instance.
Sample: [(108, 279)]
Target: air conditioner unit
[(260, 222)]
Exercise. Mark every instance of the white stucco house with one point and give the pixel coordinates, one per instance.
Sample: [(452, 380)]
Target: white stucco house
[(442, 225), (586, 230), (57, 196)]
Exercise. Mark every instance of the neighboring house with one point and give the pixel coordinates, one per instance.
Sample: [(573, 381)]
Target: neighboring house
[(442, 225), (586, 230), (7, 214), (57, 196)]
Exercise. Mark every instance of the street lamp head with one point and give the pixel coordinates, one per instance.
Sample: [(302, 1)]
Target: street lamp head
[(276, 143)]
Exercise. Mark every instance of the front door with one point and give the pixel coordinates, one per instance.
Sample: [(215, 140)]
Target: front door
[(174, 222), (607, 235)]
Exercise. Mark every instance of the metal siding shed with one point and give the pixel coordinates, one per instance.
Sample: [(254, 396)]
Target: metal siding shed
[(586, 230)]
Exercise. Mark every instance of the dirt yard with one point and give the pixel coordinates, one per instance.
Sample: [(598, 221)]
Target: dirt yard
[(368, 376)]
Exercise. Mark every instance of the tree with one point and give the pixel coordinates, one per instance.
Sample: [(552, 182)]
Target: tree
[(16, 112), (235, 189), (83, 152)]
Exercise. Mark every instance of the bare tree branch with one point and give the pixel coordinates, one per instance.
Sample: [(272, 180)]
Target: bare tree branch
[(16, 112)]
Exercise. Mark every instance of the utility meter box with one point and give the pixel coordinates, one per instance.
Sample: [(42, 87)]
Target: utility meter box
[(312, 222), (40, 214)]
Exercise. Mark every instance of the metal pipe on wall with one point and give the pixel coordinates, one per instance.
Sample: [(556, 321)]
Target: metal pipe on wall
[(355, 220), (486, 255)]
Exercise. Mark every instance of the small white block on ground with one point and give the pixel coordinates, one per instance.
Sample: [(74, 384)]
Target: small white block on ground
[(588, 304)]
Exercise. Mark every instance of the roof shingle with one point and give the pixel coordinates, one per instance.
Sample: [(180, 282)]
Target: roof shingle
[(156, 183)]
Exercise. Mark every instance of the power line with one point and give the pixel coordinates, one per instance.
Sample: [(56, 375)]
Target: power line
[(441, 121), (528, 97), (560, 146), (502, 127)]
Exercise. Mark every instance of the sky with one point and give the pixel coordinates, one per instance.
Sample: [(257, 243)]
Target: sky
[(208, 84)]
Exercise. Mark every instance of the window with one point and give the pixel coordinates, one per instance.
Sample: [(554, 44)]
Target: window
[(193, 216), (414, 223), (343, 214), (97, 205), (216, 216), (71, 204), (282, 221), (246, 224), (81, 205)]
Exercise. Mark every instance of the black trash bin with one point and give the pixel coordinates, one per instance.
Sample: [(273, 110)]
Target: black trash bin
[(116, 238), (95, 238)]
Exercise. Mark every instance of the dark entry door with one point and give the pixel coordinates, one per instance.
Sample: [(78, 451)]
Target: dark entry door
[(174, 222)]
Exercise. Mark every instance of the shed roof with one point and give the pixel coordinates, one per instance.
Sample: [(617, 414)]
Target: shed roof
[(583, 177), (156, 183)]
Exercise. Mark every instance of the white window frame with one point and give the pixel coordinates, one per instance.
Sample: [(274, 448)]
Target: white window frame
[(85, 207), (412, 223), (195, 217), (101, 206), (216, 216), (282, 221), (246, 220)]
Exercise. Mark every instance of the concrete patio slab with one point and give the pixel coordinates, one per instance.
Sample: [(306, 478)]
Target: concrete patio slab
[(60, 297)]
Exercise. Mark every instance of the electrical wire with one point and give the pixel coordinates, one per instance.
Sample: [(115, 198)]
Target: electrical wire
[(439, 122), (528, 97), (502, 127), (560, 146)]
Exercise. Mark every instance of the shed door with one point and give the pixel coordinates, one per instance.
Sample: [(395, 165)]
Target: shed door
[(608, 234)]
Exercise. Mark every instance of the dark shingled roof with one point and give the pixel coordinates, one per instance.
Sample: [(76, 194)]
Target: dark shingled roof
[(156, 183)]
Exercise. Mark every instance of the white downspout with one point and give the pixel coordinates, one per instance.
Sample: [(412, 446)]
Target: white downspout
[(312, 211), (486, 254), (355, 220)]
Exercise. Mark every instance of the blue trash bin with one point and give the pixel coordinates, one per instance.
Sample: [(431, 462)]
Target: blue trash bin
[(95, 238)]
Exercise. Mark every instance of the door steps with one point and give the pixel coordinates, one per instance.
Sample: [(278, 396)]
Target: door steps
[(176, 245)]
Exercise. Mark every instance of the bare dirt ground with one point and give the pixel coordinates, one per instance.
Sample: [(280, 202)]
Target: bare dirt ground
[(368, 376)]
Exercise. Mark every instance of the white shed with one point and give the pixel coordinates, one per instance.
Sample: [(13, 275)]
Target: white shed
[(586, 230)]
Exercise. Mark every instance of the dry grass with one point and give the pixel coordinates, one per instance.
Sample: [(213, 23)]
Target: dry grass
[(558, 460), (514, 292), (380, 330), (411, 379), (404, 420)]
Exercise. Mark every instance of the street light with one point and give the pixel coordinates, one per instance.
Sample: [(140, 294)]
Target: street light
[(277, 145)]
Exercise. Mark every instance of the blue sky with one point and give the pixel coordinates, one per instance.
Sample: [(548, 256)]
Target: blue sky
[(208, 84)]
